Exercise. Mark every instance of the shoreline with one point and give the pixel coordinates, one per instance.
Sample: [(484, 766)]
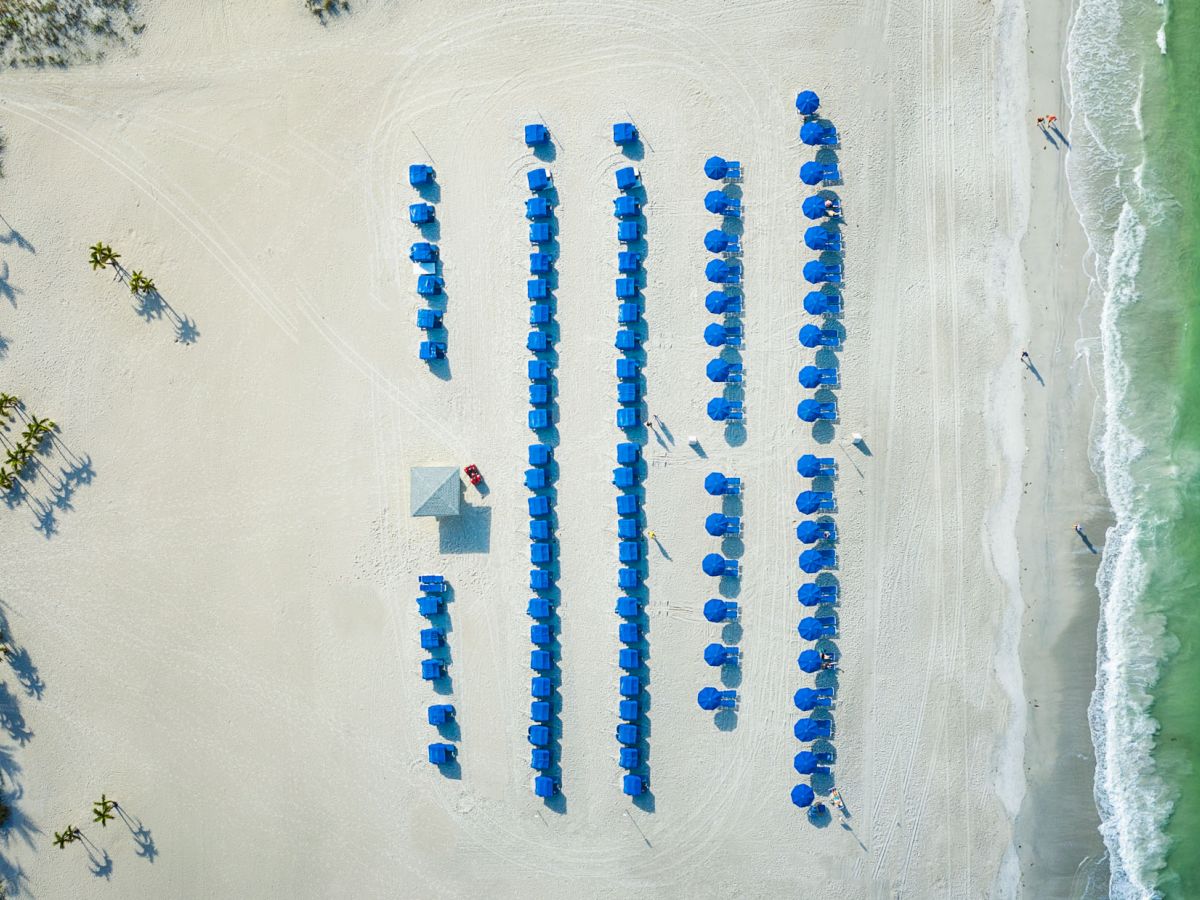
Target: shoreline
[(1056, 831)]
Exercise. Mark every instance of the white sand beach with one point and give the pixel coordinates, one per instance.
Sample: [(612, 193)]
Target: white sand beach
[(221, 619)]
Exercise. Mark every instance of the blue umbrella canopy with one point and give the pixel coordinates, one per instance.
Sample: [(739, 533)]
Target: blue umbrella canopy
[(717, 370), (809, 532), (808, 410), (714, 334), (715, 524), (806, 700), (807, 102), (808, 729), (716, 271), (809, 595), (809, 501), (715, 167), (810, 377), (809, 661), (714, 610), (812, 174), (802, 795), (718, 409), (810, 336), (714, 483), (809, 628), (716, 201), (813, 133), (808, 466), (817, 303), (713, 564), (709, 698), (818, 237), (714, 654), (716, 240), (804, 762), (813, 561), (814, 271), (814, 206)]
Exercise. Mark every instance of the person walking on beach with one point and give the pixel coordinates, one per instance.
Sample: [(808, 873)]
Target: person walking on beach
[(1041, 122), (1051, 120), (1079, 530), (1025, 357), (650, 534)]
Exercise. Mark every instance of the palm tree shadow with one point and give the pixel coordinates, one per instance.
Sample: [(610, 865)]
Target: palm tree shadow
[(102, 867), (7, 291), (11, 718), (146, 848)]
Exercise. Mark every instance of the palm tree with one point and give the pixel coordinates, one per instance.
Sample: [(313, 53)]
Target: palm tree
[(102, 255), (6, 484), (102, 810), (7, 402), (15, 459), (68, 836), (41, 426), (136, 282)]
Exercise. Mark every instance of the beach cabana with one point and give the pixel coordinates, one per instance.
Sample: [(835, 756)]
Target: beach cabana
[(541, 661), (628, 607), (432, 638), (633, 785), (539, 314), (718, 241), (538, 735), (721, 410), (540, 552), (629, 530), (716, 484), (718, 271), (627, 339), (624, 133), (429, 605), (629, 758), (538, 208), (539, 419), (629, 686), (718, 524), (817, 134), (814, 173), (429, 285), (423, 252), (718, 655), (808, 699), (629, 632), (809, 532), (420, 175), (818, 237), (717, 566), (627, 734), (819, 206), (816, 594), (540, 580), (628, 392), (628, 453), (629, 710), (540, 759), (629, 231), (421, 213), (811, 410), (629, 579), (431, 350), (434, 491), (536, 134), (439, 714), (628, 313), (719, 303), (540, 454), (537, 341), (722, 372), (813, 561), (432, 669), (813, 628), (440, 754), (810, 729), (628, 505), (539, 530), (816, 272), (814, 376), (541, 687), (541, 711), (538, 608), (809, 466), (819, 303), (809, 502), (540, 232), (428, 319), (628, 369), (545, 786), (711, 698), (627, 178), (629, 551), (540, 263), (629, 659), (716, 610), (812, 336), (629, 262), (628, 417), (626, 207), (807, 103), (625, 288), (538, 179), (802, 795), (718, 335), (539, 506)]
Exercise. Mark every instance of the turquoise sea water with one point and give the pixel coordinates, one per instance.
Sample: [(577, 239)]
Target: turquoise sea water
[(1134, 167)]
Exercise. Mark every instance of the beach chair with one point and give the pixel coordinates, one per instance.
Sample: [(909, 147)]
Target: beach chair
[(626, 207), (538, 341), (430, 579), (629, 711), (430, 350), (421, 214), (629, 417), (541, 687), (432, 638), (540, 233), (538, 179), (538, 208), (538, 608), (537, 289), (629, 231), (420, 175), (629, 758), (624, 133), (540, 263), (628, 313), (539, 314), (629, 632), (428, 319), (439, 714), (540, 711), (541, 661), (429, 605), (540, 759), (441, 754), (536, 134), (539, 419)]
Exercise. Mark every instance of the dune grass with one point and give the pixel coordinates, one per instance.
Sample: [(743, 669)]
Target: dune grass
[(38, 33)]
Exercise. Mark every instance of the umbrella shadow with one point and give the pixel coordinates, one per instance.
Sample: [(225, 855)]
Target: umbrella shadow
[(726, 719)]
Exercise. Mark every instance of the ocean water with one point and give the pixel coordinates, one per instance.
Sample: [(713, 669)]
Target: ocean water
[(1134, 170)]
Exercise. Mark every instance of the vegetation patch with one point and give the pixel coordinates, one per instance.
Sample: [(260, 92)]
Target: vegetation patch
[(327, 9), (39, 33)]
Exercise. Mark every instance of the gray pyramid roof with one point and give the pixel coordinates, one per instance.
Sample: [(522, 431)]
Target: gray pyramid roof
[(434, 491)]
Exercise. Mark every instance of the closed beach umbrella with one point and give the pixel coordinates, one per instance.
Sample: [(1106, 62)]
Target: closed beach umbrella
[(716, 201), (807, 103), (814, 206), (805, 762), (809, 661), (818, 303), (715, 168), (714, 484), (715, 524), (709, 698), (802, 795), (716, 240), (713, 564), (810, 629)]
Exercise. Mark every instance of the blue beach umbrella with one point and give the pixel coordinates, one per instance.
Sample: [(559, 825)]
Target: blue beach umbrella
[(818, 303), (805, 762), (809, 661), (810, 629), (807, 103), (810, 729), (716, 240), (802, 795), (807, 699), (715, 168), (716, 201), (813, 207), (709, 698)]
